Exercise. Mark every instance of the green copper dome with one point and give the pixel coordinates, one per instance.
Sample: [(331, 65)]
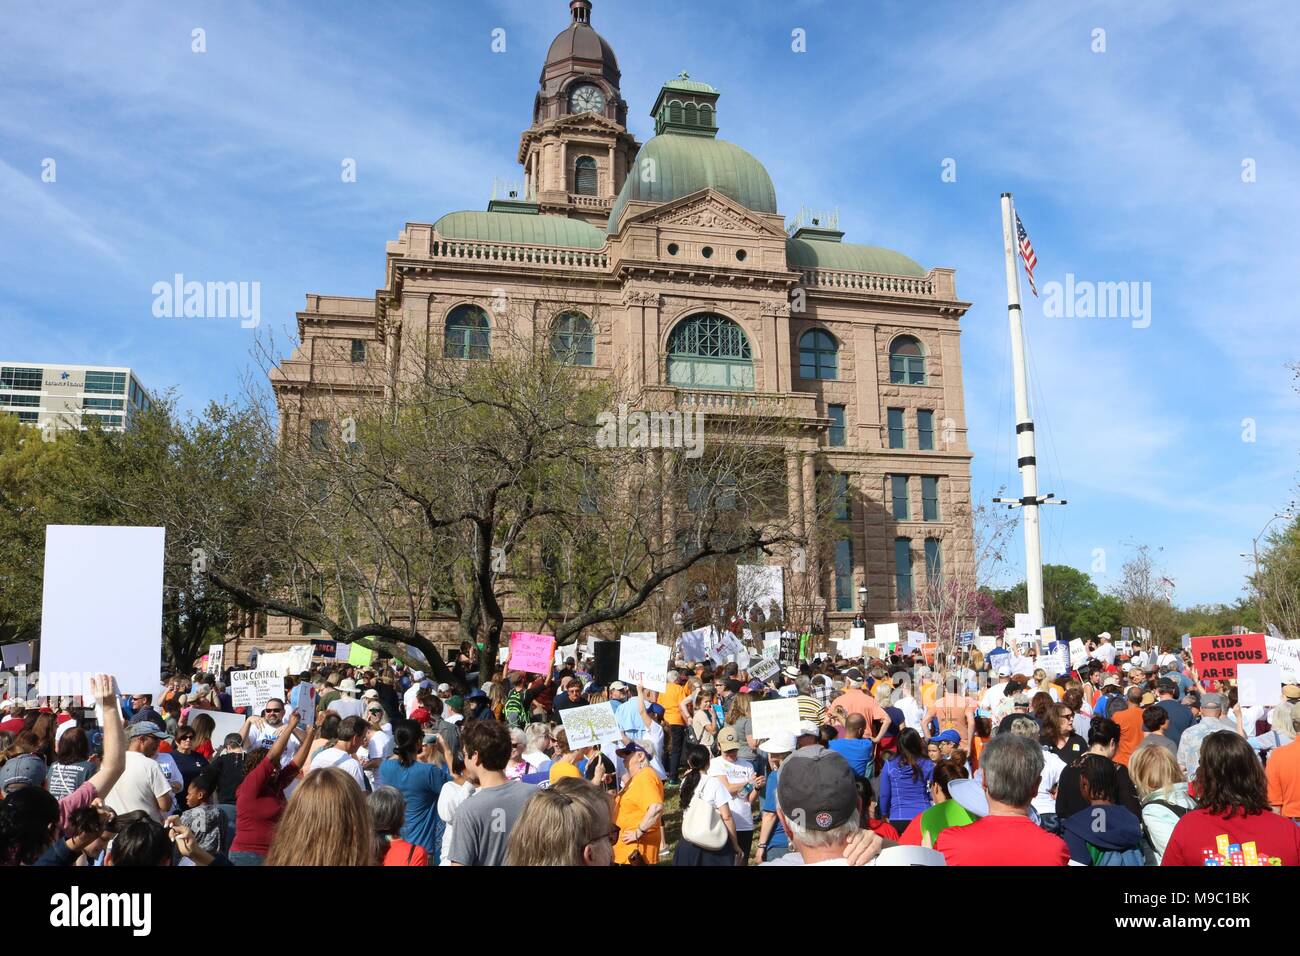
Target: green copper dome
[(845, 256), (520, 227), (686, 164)]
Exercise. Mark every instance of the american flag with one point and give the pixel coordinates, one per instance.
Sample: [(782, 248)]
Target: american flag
[(1027, 254)]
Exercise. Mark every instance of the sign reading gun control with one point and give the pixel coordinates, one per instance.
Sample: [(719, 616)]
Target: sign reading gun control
[(1216, 658)]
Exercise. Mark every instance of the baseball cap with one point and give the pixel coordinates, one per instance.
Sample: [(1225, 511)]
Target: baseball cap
[(1291, 692), (818, 788), (618, 685), (733, 686), (1004, 671), (631, 748), (780, 744), (791, 671), (23, 770), (948, 736), (456, 702), (808, 728), (1213, 701), (728, 739), (147, 728), (655, 710), (371, 694), (853, 674), (420, 715), (443, 689)]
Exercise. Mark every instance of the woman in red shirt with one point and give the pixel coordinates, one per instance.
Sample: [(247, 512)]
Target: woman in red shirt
[(260, 799), (1235, 826)]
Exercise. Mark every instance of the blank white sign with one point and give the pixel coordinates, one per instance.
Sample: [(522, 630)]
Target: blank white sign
[(1259, 685), (102, 608)]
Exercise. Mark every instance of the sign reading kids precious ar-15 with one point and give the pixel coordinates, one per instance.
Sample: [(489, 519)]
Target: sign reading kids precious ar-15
[(1216, 658)]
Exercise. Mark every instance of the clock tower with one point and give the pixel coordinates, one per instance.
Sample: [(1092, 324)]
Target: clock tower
[(578, 150)]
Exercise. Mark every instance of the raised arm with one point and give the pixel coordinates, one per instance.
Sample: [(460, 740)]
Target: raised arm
[(282, 741), (103, 687), (300, 755)]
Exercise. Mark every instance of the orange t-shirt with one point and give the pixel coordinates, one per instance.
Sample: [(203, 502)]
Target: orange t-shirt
[(670, 700), (401, 853), (645, 790), (1283, 773), (1130, 733)]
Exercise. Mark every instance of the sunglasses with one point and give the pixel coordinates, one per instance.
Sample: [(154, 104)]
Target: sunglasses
[(375, 713), (273, 710)]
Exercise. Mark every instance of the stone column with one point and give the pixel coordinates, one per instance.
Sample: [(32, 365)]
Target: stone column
[(794, 491), (810, 513)]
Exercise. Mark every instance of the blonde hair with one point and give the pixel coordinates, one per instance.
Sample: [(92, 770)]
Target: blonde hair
[(557, 824), (739, 708), (1154, 769), (326, 823)]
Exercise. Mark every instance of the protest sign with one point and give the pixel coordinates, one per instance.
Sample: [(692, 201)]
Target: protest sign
[(1216, 658), (1078, 654), (590, 725), (986, 643), (562, 654), (885, 634), (503, 653), (772, 645), (1286, 654), (966, 638), (1259, 685), (764, 669), (19, 654), (299, 656), (101, 610), (789, 648), (325, 649), (531, 652), (253, 688), (852, 645), (216, 658), (1022, 623), (772, 717), (643, 661), (360, 656), (696, 643), (914, 641), (306, 706), (224, 724), (342, 651), (1047, 635), (929, 649)]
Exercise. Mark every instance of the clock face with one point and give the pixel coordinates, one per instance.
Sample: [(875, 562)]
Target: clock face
[(586, 99)]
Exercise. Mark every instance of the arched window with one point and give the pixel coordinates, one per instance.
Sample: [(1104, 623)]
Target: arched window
[(706, 115), (906, 361), (584, 176), (710, 351), (675, 112), (467, 334), (692, 114), (572, 340), (818, 355)]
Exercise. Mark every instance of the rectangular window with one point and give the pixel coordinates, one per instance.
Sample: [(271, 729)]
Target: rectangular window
[(837, 425), (925, 430), (28, 400), (903, 572), (933, 563), (310, 629), (23, 379), (358, 351), (896, 436), (112, 404), (929, 498), (840, 489), (111, 383), (844, 575), (320, 431), (27, 417), (898, 495)]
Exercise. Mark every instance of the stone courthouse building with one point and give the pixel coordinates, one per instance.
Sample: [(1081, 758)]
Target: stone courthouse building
[(678, 272)]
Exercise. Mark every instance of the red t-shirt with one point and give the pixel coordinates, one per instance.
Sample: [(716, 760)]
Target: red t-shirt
[(1200, 831), (1002, 841), (259, 801), (401, 853), (13, 725)]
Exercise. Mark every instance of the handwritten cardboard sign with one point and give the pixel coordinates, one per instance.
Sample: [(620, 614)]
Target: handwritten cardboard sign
[(531, 652), (643, 661), (252, 689), (1216, 658), (772, 717)]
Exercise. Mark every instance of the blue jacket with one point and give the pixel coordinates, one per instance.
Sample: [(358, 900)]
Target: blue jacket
[(901, 797)]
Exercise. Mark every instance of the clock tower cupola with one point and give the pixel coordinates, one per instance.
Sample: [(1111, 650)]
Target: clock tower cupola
[(578, 150)]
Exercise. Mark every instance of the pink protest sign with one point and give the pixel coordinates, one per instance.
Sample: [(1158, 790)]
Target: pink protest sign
[(531, 652)]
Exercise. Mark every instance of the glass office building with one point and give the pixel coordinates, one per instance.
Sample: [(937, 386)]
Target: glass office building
[(70, 396)]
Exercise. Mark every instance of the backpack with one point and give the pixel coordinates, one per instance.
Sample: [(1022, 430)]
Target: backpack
[(1148, 845), (1133, 856)]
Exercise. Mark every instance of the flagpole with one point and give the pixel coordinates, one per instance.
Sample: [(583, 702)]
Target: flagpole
[(1025, 457)]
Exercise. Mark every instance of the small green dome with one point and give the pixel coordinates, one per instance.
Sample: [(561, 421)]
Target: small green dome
[(518, 227), (687, 85), (686, 164), (845, 256)]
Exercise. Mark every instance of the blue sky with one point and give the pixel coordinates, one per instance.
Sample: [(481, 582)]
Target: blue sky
[(1126, 165)]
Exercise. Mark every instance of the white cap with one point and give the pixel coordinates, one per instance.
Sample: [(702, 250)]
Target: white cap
[(1004, 671), (444, 689), (780, 744), (808, 728)]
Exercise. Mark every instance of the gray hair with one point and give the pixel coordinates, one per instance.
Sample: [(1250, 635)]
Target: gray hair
[(535, 734), (802, 684), (387, 810), (817, 839), (1012, 768)]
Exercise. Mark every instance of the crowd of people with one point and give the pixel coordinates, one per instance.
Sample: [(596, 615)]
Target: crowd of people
[(990, 759)]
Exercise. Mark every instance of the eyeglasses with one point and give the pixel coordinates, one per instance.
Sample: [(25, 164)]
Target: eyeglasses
[(375, 713), (273, 710)]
